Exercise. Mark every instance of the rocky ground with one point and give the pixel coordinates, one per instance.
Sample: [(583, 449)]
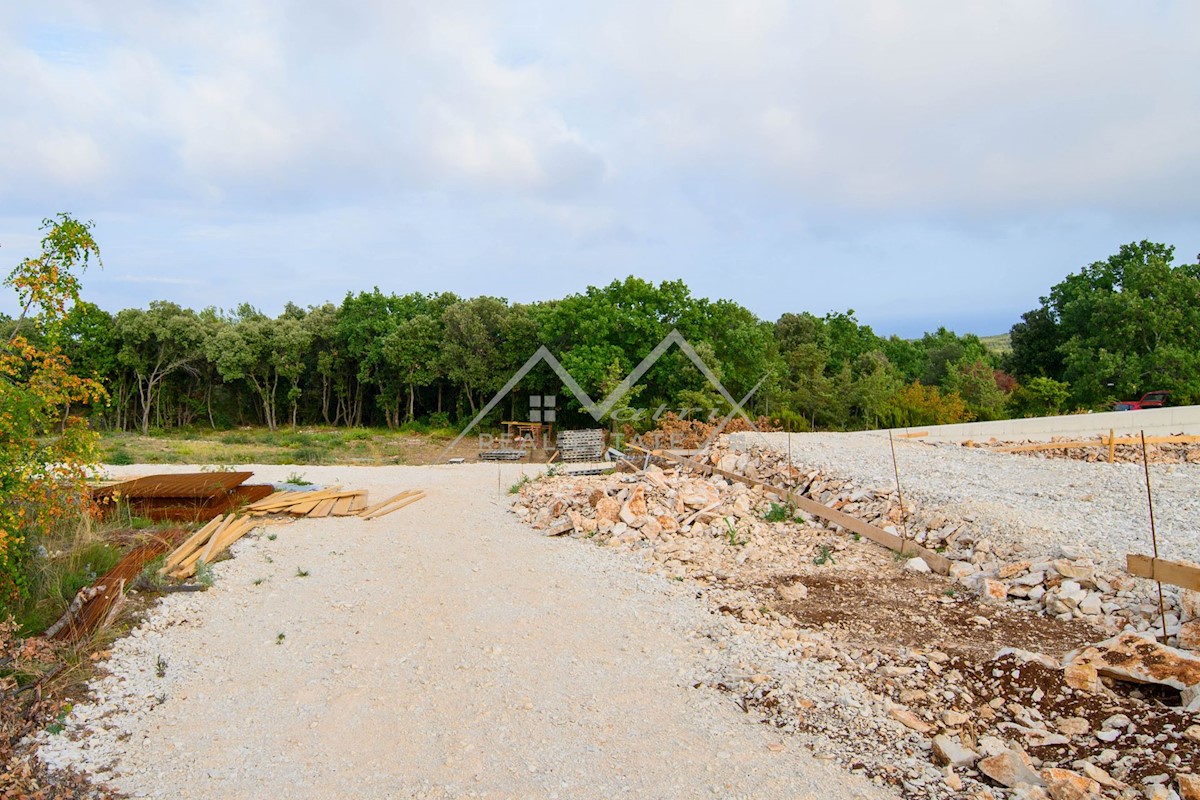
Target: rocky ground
[(981, 683)]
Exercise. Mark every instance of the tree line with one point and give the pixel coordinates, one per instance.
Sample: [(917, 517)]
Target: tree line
[(1113, 330)]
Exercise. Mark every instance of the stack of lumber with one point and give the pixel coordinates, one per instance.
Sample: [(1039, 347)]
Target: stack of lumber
[(331, 502), (206, 544), (321, 503), (585, 445)]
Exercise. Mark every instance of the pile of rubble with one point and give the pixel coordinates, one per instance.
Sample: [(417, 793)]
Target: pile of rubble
[(679, 516), (1122, 451), (930, 718)]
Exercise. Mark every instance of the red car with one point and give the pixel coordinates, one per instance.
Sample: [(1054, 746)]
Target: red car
[(1149, 400)]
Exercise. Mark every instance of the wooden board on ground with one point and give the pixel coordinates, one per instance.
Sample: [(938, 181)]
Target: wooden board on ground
[(1103, 441), (1175, 573)]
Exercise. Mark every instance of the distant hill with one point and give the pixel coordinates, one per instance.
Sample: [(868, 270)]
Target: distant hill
[(1001, 343)]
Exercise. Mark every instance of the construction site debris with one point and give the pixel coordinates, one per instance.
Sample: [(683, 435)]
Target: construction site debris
[(182, 497)]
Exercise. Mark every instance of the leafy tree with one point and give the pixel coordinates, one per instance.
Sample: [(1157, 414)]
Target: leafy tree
[(44, 452), (1131, 321), (1040, 396), (979, 385), (154, 344), (916, 404)]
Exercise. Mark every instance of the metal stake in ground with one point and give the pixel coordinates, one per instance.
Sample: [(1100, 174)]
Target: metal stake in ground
[(1162, 608), (900, 495)]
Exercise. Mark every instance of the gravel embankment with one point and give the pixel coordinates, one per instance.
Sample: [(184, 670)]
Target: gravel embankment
[(1032, 505), (445, 650)]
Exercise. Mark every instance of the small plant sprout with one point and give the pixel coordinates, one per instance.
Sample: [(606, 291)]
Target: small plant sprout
[(301, 573), (259, 581), (824, 556), (516, 487), (204, 573), (279, 637), (160, 667), (271, 537), (778, 513), (734, 541), (297, 479)]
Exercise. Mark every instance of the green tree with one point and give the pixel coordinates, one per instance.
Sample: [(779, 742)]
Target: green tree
[(156, 343), (44, 452)]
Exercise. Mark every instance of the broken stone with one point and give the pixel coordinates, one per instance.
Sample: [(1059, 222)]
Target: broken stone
[(1084, 677), (917, 565), (607, 509), (1009, 769), (792, 593), (961, 569), (948, 752), (1026, 656), (1073, 726), (1189, 786), (1063, 784), (907, 718), (954, 719), (1131, 657)]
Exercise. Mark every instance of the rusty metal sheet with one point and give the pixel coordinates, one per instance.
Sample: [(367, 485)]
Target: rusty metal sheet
[(183, 484), (92, 613), (195, 509)]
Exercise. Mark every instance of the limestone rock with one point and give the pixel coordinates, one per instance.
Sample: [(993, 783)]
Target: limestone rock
[(1009, 769), (792, 592), (1063, 784), (1084, 677), (948, 752), (917, 565), (607, 510), (1189, 786), (1132, 657)]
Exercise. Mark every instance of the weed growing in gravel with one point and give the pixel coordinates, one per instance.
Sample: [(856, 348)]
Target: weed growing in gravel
[(516, 487), (160, 667), (857, 537), (778, 513), (60, 721), (734, 541), (824, 556), (301, 573), (279, 638), (259, 581), (297, 479), (271, 537), (204, 573)]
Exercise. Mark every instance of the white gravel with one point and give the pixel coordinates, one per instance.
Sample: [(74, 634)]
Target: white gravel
[(442, 651), (1032, 505)]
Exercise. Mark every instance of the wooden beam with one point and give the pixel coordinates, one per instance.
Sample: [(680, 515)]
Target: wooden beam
[(197, 539), (1175, 573), (936, 561), (389, 501), (324, 507), (387, 509), (913, 435)]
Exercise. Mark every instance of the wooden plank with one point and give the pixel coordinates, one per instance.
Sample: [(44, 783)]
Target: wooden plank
[(936, 561), (198, 552), (1175, 573), (389, 501), (913, 435), (292, 498), (323, 508), (359, 503), (395, 507), (218, 544), (341, 506), (194, 541)]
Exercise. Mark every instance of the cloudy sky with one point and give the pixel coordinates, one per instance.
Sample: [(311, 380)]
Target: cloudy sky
[(923, 163)]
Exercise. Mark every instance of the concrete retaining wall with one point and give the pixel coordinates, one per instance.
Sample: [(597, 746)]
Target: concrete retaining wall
[(1154, 421)]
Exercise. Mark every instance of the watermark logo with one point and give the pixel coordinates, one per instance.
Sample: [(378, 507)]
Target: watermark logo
[(600, 410)]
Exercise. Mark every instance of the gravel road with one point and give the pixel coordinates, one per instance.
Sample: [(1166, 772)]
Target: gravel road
[(1032, 505), (445, 650)]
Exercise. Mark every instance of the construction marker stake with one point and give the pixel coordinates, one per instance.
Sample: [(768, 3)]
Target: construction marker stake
[(900, 495), (1162, 608)]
